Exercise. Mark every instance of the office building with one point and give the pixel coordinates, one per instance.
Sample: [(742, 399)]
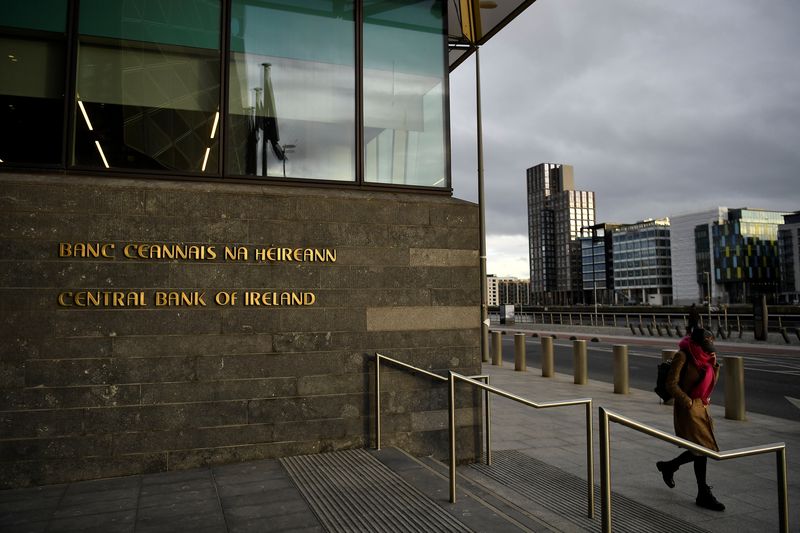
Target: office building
[(214, 213), (745, 253), (688, 284), (557, 216), (597, 260), (789, 254), (642, 268)]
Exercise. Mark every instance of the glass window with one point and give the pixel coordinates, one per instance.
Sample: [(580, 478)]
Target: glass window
[(148, 85), (404, 81), (292, 89), (32, 74)]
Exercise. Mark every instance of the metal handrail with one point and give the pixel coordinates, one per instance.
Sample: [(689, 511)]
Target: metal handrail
[(544, 405), (381, 357), (605, 462)]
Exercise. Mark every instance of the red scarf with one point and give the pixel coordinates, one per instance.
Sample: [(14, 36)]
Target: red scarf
[(702, 360)]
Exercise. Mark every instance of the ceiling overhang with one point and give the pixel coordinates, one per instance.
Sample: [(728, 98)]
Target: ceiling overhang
[(473, 22)]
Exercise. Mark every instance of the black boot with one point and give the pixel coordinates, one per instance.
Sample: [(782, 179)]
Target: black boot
[(707, 500), (667, 472)]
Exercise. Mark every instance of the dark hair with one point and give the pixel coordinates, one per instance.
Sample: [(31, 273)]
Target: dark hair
[(699, 334)]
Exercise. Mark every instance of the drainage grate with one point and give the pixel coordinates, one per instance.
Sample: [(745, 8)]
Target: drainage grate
[(352, 491), (557, 490)]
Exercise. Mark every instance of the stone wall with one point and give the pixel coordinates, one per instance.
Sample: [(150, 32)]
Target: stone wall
[(128, 387)]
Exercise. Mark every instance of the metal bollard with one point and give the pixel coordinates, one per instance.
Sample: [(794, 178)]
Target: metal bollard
[(519, 352), (547, 357), (666, 355), (497, 348), (580, 362), (621, 369), (734, 388)]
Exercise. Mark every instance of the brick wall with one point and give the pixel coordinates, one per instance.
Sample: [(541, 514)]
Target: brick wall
[(106, 391)]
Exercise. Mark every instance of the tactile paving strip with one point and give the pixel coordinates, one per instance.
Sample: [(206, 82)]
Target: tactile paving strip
[(352, 491)]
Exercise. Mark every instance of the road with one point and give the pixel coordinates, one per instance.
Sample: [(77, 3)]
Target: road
[(772, 381)]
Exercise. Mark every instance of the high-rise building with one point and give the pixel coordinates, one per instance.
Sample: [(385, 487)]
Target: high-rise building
[(557, 217), (642, 272), (789, 253)]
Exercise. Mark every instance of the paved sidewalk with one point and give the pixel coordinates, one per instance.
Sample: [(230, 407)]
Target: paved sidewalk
[(264, 496), (747, 486)]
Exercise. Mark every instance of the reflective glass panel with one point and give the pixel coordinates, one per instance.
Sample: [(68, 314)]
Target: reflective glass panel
[(32, 63), (404, 76), (292, 89), (148, 85)]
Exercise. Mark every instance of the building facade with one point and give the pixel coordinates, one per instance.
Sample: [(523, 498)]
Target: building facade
[(745, 252), (557, 216), (642, 267), (508, 290), (689, 284), (215, 212), (597, 260), (789, 254)]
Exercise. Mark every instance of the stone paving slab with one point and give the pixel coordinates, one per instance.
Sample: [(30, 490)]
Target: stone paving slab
[(748, 486)]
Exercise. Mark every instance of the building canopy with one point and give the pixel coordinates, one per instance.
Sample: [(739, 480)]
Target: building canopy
[(473, 22)]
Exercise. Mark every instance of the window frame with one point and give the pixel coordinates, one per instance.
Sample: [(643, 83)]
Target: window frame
[(71, 39)]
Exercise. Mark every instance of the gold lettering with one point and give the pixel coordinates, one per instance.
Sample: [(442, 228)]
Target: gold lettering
[(297, 299), (212, 253), (230, 254), (119, 299), (64, 249), (271, 254), (286, 298), (309, 298), (261, 254), (308, 254), (129, 251), (161, 298), (287, 254), (92, 299), (62, 299), (298, 254), (79, 299), (330, 255), (107, 250)]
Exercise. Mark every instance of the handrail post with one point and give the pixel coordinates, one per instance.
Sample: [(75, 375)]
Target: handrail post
[(783, 490), (488, 414), (605, 473), (452, 424), (377, 401)]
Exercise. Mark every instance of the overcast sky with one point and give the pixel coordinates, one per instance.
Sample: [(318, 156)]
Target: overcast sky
[(662, 108)]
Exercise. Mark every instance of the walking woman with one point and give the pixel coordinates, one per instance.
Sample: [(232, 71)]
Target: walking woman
[(692, 376)]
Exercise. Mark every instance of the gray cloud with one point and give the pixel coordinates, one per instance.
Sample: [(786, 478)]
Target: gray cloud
[(662, 107)]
